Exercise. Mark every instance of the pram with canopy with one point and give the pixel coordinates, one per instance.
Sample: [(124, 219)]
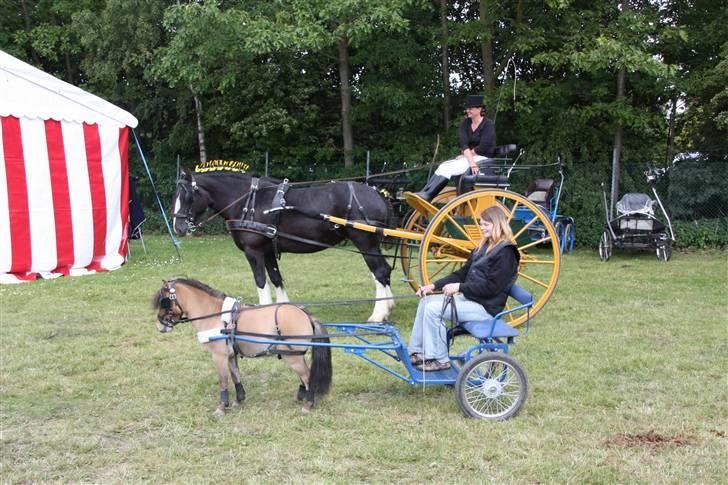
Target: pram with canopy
[(636, 225)]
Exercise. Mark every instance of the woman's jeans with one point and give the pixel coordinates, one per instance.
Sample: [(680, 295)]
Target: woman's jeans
[(429, 333)]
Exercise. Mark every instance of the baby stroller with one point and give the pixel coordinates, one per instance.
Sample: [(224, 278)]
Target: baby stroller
[(636, 226)]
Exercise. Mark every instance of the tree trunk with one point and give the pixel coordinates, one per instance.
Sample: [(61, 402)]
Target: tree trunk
[(28, 28), (345, 101), (617, 153), (446, 114), (486, 46), (671, 131), (200, 130)]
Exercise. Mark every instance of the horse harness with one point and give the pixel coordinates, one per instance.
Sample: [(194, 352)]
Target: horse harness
[(248, 223), (231, 310)]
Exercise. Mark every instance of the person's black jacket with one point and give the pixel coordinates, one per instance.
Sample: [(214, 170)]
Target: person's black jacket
[(482, 140), (486, 277)]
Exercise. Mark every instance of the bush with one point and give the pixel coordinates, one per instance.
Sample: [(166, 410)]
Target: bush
[(704, 233)]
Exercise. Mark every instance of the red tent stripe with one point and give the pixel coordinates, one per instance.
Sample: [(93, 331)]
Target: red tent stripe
[(98, 191), (17, 195), (61, 196), (124, 155)]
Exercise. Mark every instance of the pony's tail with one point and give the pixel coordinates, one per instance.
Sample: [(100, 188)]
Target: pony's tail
[(321, 372)]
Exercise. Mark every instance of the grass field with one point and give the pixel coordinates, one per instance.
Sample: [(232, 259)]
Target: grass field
[(626, 364)]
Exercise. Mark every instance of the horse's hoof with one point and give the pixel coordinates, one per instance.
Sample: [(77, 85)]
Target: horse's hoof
[(377, 318), (307, 407), (219, 412), (236, 404)]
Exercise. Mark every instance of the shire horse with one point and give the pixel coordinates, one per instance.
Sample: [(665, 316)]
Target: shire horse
[(299, 228), (209, 311)]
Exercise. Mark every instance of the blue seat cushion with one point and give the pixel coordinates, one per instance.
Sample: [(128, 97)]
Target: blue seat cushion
[(482, 329)]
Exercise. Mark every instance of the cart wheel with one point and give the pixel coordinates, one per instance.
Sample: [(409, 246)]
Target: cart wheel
[(568, 238), (559, 229), (417, 222), (664, 251), (454, 232), (491, 386), (605, 246)]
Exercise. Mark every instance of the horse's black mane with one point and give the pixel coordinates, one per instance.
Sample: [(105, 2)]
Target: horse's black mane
[(240, 175), (157, 298)]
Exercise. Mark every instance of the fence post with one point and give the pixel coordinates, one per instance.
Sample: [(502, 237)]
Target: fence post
[(266, 164)]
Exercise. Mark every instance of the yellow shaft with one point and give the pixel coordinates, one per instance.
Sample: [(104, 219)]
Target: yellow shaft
[(400, 233)]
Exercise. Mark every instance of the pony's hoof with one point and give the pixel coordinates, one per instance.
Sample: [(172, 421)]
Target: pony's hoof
[(307, 407), (236, 404), (219, 412)]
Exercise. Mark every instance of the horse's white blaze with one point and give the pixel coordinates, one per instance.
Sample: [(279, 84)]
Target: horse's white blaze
[(177, 206), (264, 297), (381, 307), (281, 295)]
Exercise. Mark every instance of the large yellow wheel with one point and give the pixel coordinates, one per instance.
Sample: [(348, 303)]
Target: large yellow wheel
[(453, 233), (416, 221)]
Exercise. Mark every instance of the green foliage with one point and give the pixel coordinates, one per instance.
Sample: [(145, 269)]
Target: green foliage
[(703, 233)]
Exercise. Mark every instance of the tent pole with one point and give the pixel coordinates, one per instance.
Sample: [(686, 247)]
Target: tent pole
[(175, 242)]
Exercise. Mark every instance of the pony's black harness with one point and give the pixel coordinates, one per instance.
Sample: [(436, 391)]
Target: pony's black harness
[(169, 320)]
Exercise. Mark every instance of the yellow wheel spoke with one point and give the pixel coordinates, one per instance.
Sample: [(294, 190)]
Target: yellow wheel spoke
[(535, 243), (533, 280), (513, 211), (515, 236)]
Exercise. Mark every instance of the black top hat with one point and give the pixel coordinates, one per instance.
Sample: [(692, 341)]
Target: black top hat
[(474, 101)]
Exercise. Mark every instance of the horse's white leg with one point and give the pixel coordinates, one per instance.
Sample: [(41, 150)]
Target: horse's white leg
[(264, 297), (390, 302), (177, 206), (381, 307), (281, 295)]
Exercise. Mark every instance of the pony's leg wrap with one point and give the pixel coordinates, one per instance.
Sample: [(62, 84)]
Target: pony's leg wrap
[(301, 393), (225, 398), (239, 392)]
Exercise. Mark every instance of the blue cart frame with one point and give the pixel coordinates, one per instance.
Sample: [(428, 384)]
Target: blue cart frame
[(489, 384)]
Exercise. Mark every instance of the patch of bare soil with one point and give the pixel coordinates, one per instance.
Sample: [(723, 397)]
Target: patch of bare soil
[(650, 439)]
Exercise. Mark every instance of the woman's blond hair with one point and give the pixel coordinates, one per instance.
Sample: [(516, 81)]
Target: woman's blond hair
[(501, 229)]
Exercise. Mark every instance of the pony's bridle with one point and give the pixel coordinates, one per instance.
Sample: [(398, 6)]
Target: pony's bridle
[(167, 303), (187, 191)]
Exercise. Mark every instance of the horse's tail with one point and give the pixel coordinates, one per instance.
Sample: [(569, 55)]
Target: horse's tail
[(321, 371)]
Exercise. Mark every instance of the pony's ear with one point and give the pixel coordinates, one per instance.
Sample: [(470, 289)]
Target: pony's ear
[(184, 172)]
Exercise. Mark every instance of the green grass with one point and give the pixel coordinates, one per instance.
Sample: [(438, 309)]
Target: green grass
[(626, 365)]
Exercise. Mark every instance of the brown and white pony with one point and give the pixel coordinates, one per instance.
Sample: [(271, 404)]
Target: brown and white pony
[(209, 310)]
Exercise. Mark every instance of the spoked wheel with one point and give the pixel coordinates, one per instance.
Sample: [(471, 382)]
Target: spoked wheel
[(491, 386), (568, 238), (664, 250), (417, 222), (454, 232), (605, 246)]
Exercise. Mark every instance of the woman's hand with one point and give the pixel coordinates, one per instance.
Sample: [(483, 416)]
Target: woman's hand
[(423, 290), (451, 288), (470, 155)]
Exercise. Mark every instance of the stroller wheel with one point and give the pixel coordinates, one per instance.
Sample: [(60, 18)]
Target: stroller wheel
[(605, 246), (664, 251)]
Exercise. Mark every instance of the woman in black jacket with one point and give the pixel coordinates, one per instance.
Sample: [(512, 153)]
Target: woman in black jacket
[(477, 143), (480, 290)]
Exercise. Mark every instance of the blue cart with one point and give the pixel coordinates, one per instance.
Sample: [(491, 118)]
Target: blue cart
[(489, 383)]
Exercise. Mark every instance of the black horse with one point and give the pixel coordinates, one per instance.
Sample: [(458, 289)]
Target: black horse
[(299, 229)]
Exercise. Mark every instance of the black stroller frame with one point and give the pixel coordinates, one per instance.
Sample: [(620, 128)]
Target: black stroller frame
[(636, 226)]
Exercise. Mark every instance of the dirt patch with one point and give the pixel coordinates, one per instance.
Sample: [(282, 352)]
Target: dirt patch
[(650, 439)]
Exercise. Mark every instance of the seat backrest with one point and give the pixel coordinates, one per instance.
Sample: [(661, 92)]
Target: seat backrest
[(520, 294)]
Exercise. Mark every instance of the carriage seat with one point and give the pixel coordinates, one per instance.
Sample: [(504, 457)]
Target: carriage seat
[(541, 192), (496, 327)]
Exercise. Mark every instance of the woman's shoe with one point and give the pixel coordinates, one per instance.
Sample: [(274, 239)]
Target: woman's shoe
[(433, 365), (416, 358)]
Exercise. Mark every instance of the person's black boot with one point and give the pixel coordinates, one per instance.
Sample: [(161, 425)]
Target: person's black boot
[(433, 187)]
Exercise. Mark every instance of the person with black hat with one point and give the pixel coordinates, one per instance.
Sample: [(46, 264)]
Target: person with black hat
[(477, 142)]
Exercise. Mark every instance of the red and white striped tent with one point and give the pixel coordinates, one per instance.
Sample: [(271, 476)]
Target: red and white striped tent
[(64, 183)]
